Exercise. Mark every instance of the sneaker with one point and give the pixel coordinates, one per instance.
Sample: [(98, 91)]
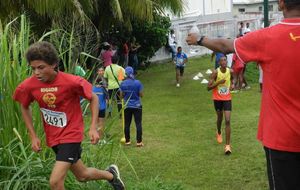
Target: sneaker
[(247, 87), (116, 182), (227, 149), (219, 138), (177, 85), (140, 144), (128, 143)]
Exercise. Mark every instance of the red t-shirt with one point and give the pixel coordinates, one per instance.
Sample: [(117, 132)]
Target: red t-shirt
[(106, 57), (59, 102), (276, 49), (238, 64)]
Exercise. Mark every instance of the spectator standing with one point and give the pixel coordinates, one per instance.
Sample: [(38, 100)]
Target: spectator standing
[(132, 91), (106, 54), (114, 74), (172, 43), (133, 58)]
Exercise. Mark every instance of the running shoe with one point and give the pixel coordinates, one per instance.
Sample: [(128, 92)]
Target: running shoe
[(219, 138), (128, 143), (116, 182), (227, 149), (140, 144)]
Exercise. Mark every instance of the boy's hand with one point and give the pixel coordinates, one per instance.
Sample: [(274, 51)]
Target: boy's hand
[(94, 135), (36, 144), (222, 81)]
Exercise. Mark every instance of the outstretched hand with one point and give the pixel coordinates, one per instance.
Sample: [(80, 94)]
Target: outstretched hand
[(192, 38)]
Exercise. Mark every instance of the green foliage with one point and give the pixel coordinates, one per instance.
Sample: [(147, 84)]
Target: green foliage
[(151, 35)]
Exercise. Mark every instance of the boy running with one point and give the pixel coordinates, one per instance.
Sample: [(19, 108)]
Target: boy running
[(220, 82), (58, 96), (180, 61)]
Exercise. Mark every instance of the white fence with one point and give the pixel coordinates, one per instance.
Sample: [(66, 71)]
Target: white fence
[(220, 25)]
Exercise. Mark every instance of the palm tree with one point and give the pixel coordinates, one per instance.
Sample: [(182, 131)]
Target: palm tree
[(103, 13)]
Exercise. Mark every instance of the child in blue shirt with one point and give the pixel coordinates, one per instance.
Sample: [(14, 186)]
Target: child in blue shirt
[(180, 61), (101, 92), (132, 91)]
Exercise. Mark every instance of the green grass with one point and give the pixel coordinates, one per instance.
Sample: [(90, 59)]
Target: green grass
[(179, 127)]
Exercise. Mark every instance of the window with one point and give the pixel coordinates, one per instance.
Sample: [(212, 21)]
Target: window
[(260, 9), (241, 10), (270, 7)]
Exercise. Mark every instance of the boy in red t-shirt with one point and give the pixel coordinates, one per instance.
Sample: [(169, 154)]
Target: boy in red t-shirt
[(274, 48), (58, 95)]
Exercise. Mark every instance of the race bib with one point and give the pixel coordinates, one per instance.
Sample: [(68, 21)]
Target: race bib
[(223, 90), (54, 118)]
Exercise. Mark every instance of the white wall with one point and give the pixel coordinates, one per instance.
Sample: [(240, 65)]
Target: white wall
[(205, 7)]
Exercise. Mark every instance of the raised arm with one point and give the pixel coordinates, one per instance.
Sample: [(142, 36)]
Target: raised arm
[(218, 45)]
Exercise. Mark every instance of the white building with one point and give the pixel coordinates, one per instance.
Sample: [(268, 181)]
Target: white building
[(205, 7), (253, 6)]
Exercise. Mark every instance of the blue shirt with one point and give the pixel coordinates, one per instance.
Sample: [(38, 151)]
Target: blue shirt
[(131, 89), (102, 95), (180, 57)]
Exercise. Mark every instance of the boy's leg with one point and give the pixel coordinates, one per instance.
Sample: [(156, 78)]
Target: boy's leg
[(82, 173), (227, 126), (177, 75), (219, 111), (181, 71), (128, 118), (219, 120), (58, 175), (138, 123)]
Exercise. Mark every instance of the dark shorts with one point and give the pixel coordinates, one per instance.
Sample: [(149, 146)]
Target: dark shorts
[(181, 69), (101, 113), (68, 152), (221, 105), (283, 169)]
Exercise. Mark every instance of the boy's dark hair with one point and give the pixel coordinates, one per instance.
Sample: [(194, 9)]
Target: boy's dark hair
[(292, 4), (115, 58), (43, 51)]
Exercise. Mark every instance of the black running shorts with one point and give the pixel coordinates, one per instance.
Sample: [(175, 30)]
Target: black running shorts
[(221, 105), (68, 152)]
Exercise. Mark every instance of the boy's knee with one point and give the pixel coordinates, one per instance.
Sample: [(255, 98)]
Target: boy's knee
[(56, 183), (82, 177), (227, 122)]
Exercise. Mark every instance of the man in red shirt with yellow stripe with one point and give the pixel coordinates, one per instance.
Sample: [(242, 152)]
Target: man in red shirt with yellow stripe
[(221, 84), (274, 48)]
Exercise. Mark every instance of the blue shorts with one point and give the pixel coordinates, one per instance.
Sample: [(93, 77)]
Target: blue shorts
[(181, 69)]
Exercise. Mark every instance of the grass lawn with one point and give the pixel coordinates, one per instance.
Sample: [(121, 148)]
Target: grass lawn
[(179, 126)]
